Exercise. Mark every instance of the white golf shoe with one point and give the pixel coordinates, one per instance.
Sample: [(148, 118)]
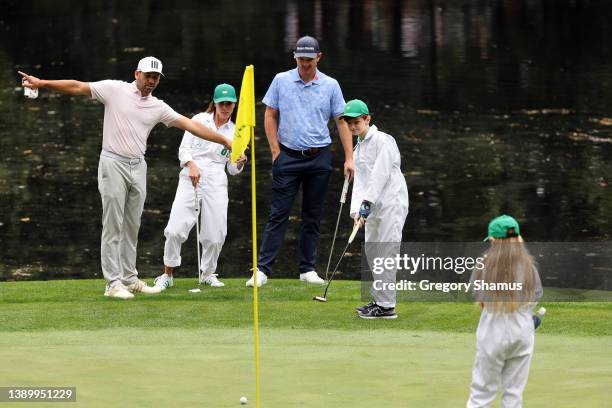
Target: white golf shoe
[(142, 287), (118, 290), (212, 280), (261, 279), (311, 277), (164, 281)]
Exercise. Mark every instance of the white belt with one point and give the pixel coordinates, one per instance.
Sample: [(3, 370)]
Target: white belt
[(128, 160)]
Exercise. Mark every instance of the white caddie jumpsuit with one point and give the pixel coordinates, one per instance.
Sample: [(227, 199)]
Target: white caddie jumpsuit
[(379, 179), (212, 159), (504, 347)]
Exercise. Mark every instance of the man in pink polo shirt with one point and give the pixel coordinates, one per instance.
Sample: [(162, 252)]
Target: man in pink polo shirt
[(130, 113)]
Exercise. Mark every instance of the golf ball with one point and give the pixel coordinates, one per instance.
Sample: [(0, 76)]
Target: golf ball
[(243, 400)]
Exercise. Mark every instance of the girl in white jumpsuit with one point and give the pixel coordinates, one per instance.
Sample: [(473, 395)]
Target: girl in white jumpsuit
[(505, 335), (380, 195), (204, 165)]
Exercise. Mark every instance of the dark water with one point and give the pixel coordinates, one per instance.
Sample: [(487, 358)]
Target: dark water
[(497, 106)]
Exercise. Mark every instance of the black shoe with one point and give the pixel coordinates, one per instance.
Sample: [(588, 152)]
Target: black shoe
[(363, 308), (378, 312), (536, 321)]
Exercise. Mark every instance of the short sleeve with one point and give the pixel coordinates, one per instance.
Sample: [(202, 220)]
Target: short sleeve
[(271, 97), (168, 115), (102, 90), (337, 100)]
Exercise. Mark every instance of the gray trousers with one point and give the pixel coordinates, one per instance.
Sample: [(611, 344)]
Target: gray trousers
[(383, 238), (122, 183)]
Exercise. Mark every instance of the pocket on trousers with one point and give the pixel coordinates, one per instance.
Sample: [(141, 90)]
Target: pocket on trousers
[(327, 160), (275, 162), (102, 173)]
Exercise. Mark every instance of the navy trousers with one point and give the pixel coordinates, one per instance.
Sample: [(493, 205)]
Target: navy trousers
[(289, 171)]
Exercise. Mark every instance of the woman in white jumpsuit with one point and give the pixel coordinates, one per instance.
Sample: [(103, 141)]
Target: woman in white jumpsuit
[(505, 334), (380, 195), (204, 165)]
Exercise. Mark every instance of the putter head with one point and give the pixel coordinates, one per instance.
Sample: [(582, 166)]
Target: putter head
[(319, 299)]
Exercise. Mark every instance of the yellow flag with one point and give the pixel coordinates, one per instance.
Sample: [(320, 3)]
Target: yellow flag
[(245, 119), (245, 124)]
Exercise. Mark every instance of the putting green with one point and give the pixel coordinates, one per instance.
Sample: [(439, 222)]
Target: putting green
[(179, 349), (299, 368)]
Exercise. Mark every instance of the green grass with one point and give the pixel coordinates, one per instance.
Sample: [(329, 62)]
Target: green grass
[(79, 305), (196, 350)]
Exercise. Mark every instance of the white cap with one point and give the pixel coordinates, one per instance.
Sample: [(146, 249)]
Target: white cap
[(150, 64)]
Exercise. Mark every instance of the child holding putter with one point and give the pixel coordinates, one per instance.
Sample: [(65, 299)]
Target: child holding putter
[(379, 200), (505, 334)]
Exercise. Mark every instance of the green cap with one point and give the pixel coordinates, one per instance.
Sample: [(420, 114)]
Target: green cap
[(503, 226), (224, 93), (355, 108)]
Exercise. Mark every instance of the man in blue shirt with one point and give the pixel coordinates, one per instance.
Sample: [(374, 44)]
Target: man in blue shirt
[(299, 104)]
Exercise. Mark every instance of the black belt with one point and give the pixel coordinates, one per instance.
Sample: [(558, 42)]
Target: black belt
[(306, 153)]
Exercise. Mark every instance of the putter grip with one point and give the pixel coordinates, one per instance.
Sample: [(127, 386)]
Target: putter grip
[(352, 237), (344, 191)]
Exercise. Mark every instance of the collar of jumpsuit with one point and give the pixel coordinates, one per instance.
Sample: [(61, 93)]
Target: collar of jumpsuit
[(369, 134), (210, 118)]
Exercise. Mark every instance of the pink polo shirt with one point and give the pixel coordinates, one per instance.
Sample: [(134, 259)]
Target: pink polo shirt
[(128, 116)]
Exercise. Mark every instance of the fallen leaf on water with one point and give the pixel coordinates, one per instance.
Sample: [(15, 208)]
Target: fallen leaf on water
[(427, 112), (581, 136), (605, 121), (546, 111), (21, 273), (561, 111)]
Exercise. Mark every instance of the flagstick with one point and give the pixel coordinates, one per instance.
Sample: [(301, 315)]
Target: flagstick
[(255, 299)]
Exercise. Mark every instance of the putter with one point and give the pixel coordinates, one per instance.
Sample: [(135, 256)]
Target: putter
[(350, 240), (197, 212), (342, 201)]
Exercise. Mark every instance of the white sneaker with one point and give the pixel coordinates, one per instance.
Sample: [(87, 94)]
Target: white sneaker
[(118, 290), (213, 281), (311, 277), (164, 281), (261, 279), (141, 286)]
